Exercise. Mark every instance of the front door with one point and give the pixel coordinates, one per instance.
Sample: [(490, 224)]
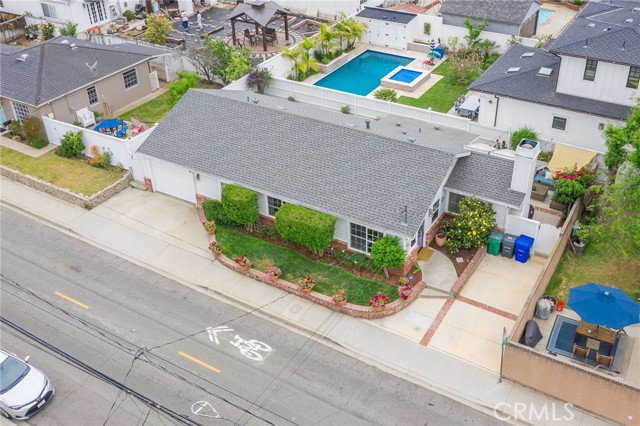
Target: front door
[(421, 235)]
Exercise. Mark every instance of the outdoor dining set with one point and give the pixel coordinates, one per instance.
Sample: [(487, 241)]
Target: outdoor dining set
[(269, 36)]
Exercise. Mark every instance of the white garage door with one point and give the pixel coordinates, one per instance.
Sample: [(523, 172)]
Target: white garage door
[(173, 180)]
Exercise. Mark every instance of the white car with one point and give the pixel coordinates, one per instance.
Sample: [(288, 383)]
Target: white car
[(24, 389)]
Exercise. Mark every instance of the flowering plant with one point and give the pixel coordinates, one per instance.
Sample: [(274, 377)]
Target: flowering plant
[(210, 227), (403, 281), (339, 297), (243, 261), (274, 272), (306, 282), (405, 291), (216, 248), (379, 300)]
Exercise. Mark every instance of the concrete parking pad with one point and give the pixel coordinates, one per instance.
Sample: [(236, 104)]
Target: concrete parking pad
[(414, 321)]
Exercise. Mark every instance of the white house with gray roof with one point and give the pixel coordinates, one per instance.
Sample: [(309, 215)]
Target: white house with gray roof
[(393, 176), (569, 90)]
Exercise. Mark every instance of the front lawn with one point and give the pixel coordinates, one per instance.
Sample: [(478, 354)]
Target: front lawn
[(329, 278), (67, 173), (442, 96), (595, 265)]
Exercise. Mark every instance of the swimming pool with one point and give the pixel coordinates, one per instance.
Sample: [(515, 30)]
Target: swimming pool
[(362, 75), (543, 15)]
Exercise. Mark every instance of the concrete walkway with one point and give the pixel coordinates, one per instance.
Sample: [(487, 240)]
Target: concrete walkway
[(164, 234)]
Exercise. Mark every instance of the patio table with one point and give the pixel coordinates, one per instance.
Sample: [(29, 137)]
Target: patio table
[(597, 333)]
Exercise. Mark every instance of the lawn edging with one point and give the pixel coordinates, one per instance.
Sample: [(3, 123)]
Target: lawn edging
[(64, 194)]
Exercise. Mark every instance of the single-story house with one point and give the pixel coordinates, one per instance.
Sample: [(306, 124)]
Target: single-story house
[(389, 176), (64, 75), (514, 17)]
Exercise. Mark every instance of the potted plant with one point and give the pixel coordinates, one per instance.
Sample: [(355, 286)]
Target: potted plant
[(274, 273), (378, 302), (216, 248), (441, 236), (210, 227), (340, 298), (404, 291), (307, 283), (243, 262)]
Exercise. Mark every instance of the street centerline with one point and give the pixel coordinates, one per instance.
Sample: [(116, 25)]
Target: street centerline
[(197, 361), (82, 305)]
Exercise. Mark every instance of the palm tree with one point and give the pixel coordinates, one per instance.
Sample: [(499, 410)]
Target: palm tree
[(354, 30), (326, 40), (306, 61), (294, 56)]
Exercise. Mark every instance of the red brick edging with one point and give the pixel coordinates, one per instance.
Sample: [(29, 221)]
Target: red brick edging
[(468, 271), (488, 308)]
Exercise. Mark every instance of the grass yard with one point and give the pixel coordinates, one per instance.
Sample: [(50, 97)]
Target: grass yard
[(73, 175), (595, 265), (329, 278), (442, 96), (150, 112)]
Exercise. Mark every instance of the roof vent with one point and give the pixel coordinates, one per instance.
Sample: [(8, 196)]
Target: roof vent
[(526, 55), (544, 71), (65, 41), (607, 29), (256, 100), (73, 46), (591, 25), (412, 140), (513, 69), (636, 9), (23, 57), (628, 21)]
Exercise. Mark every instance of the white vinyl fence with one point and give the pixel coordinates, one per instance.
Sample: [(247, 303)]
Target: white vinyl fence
[(544, 235)]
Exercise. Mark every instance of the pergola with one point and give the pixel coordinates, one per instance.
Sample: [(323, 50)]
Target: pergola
[(260, 13)]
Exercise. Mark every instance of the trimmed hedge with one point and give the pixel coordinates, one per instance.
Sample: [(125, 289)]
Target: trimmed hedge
[(309, 228), (240, 204), (214, 211)]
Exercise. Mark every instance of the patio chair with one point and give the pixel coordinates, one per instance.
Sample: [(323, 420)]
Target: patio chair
[(604, 360), (580, 352), (250, 36), (85, 117)]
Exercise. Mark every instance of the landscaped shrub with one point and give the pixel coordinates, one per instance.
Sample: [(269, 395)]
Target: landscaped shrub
[(101, 160), (345, 109), (71, 145), (387, 252), (389, 95), (214, 211), (39, 142), (32, 127), (240, 204), (545, 156), (69, 29), (15, 127), (186, 80), (472, 226), (309, 228), (259, 78), (130, 15), (567, 190), (47, 29), (522, 133)]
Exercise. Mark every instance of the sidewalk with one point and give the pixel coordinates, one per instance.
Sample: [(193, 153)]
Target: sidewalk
[(164, 234)]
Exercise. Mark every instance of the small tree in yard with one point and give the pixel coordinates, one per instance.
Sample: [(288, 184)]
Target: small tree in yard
[(201, 58), (472, 225), (47, 29), (466, 64), (259, 78), (227, 62), (387, 252), (158, 30), (71, 145), (186, 80)]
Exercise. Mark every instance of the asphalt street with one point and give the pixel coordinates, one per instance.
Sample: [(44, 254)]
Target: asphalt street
[(98, 324)]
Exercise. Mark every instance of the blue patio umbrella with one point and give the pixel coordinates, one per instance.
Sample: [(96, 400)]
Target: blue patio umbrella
[(435, 53), (603, 305)]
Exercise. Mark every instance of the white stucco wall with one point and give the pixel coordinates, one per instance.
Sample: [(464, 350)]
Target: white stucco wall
[(383, 33), (609, 84)]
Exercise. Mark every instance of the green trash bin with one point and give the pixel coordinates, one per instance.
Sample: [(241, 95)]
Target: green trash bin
[(495, 240)]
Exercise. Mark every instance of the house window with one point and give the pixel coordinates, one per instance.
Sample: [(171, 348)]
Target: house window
[(362, 238), (274, 205), (96, 12), (590, 70), (454, 199), (634, 77), (130, 78), (93, 95), (20, 110), (559, 123), (49, 11)]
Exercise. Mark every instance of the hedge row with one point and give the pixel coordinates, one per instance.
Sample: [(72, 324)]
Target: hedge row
[(309, 228)]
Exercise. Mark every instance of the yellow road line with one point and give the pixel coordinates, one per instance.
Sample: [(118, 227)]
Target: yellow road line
[(82, 305), (197, 361)]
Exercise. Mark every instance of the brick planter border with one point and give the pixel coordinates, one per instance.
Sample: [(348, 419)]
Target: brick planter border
[(350, 309)]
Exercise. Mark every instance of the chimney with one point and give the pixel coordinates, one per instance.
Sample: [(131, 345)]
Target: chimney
[(524, 169)]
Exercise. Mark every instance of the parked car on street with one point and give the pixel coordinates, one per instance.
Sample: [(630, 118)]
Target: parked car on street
[(24, 389)]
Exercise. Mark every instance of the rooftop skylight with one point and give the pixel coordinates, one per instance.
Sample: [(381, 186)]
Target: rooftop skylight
[(527, 55), (513, 69), (545, 71)]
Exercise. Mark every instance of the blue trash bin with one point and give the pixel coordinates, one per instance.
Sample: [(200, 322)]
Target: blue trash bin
[(523, 248)]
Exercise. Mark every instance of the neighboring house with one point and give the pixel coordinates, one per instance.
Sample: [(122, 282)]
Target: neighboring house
[(392, 176), (64, 75), (513, 17), (569, 90)]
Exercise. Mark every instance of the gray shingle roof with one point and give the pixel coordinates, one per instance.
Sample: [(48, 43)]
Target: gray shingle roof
[(53, 69), (527, 85), (505, 11), (600, 32), (261, 14), (6, 49), (386, 15), (482, 175)]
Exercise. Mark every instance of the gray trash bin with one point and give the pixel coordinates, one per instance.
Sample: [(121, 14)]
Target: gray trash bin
[(508, 245), (543, 309)]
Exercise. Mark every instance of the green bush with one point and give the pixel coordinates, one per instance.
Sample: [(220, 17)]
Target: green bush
[(240, 204), (47, 29), (15, 127), (39, 142), (522, 133), (567, 190), (71, 145), (345, 109), (387, 252), (32, 127), (472, 226), (130, 15), (69, 29), (186, 80), (214, 211), (545, 156), (389, 95), (309, 228)]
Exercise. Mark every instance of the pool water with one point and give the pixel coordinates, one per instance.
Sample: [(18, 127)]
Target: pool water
[(543, 15), (405, 76), (362, 75)]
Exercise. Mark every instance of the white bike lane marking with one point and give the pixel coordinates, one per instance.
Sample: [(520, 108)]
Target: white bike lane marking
[(248, 348)]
